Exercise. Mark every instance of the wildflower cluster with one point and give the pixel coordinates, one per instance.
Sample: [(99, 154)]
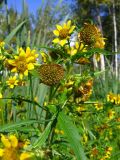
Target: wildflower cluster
[(107, 155), (48, 94), (12, 149), (113, 98)]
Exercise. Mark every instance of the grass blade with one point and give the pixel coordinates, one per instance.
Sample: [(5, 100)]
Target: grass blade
[(10, 36)]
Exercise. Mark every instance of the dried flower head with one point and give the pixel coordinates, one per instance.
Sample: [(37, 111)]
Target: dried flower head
[(83, 92)]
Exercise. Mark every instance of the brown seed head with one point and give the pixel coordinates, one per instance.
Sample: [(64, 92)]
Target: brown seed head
[(51, 74), (89, 33)]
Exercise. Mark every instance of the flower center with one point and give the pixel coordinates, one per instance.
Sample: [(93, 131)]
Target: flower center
[(12, 81), (21, 66), (10, 154), (63, 33)]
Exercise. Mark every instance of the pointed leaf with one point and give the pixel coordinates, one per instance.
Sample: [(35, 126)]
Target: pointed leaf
[(12, 34), (41, 140), (72, 135)]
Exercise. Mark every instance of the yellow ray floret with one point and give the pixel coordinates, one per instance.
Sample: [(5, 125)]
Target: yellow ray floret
[(25, 156)]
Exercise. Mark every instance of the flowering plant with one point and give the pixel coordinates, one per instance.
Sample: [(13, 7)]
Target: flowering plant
[(46, 95)]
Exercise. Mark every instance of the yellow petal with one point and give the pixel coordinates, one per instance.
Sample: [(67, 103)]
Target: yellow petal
[(30, 59), (74, 52), (14, 70), (16, 83), (26, 73), (33, 51), (1, 152), (56, 32), (58, 27), (44, 57), (62, 42), (30, 66), (11, 86), (56, 40), (12, 62), (25, 156), (76, 45), (14, 141), (21, 76), (65, 26), (69, 23), (22, 54), (5, 141), (16, 57), (14, 77), (1, 95), (28, 50), (71, 29)]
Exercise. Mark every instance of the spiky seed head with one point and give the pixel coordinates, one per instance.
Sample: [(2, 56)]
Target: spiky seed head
[(51, 74), (89, 33)]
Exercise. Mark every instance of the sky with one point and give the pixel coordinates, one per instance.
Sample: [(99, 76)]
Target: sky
[(33, 5)]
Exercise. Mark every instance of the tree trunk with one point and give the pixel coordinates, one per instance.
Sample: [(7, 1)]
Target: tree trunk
[(115, 38), (102, 59)]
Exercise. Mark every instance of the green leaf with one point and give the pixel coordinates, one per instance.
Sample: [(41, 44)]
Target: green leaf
[(72, 135), (12, 34), (41, 140), (7, 127)]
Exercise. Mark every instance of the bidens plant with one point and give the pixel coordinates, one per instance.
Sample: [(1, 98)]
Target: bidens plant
[(47, 96)]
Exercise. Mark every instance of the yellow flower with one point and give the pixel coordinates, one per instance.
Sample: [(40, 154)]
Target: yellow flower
[(14, 141), (2, 43), (24, 62), (63, 33), (31, 55), (12, 149), (111, 114), (85, 138), (44, 57), (1, 95), (12, 81), (61, 132), (9, 142), (2, 57), (5, 141), (76, 48), (100, 43), (80, 109), (113, 98), (25, 156), (57, 131), (83, 92), (1, 152), (98, 106), (27, 142)]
